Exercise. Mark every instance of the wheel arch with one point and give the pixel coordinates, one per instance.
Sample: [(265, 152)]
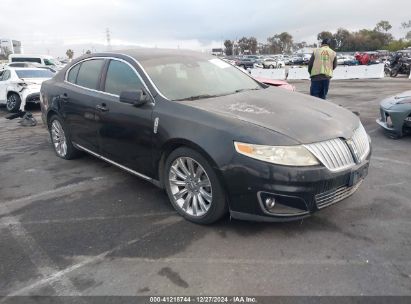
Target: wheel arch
[(174, 144), (50, 113), (12, 91)]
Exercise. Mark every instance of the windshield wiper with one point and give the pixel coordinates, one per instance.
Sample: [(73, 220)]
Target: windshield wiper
[(242, 90), (203, 96)]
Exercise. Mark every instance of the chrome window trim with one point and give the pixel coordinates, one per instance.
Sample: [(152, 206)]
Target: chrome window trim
[(145, 73), (102, 92), (156, 88), (113, 162)]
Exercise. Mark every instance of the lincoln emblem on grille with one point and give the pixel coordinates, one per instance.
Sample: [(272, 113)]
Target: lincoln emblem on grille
[(354, 150)]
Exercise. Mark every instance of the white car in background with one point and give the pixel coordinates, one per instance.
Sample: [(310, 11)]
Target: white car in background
[(272, 63), (19, 86), (44, 60)]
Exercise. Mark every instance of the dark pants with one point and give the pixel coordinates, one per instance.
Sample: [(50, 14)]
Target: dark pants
[(319, 88)]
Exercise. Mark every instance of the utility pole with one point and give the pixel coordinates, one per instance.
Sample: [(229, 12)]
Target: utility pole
[(108, 39)]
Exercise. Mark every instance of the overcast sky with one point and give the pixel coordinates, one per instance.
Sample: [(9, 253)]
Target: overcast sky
[(47, 26)]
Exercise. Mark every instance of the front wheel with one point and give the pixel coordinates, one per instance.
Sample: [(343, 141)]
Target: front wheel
[(13, 102), (60, 139), (193, 187)]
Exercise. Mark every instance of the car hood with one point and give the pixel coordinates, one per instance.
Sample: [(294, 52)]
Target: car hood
[(387, 103), (301, 117), (37, 81)]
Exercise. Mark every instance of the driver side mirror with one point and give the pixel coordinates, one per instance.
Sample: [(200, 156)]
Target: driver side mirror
[(136, 98)]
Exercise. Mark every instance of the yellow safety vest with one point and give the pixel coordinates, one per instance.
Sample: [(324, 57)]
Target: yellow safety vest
[(323, 61)]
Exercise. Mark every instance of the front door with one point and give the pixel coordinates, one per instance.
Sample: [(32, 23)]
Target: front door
[(125, 130)]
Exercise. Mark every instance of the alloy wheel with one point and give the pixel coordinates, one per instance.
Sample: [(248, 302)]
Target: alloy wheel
[(11, 102), (190, 186), (59, 138)]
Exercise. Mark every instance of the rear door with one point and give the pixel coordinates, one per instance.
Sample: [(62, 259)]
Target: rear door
[(125, 130), (80, 96)]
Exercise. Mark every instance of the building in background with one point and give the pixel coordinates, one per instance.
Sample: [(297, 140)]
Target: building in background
[(217, 52), (9, 46)]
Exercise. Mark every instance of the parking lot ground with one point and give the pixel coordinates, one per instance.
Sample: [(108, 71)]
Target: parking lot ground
[(86, 227)]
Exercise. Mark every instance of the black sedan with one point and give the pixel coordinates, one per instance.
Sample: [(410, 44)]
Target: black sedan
[(216, 139)]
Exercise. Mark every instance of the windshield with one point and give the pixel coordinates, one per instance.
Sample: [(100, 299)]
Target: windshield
[(185, 77), (40, 73)]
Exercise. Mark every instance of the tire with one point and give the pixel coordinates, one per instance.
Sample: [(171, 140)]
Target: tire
[(392, 135), (394, 72), (184, 172), (13, 102), (60, 138)]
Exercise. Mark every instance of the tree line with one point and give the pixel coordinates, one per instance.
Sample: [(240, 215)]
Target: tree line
[(343, 40)]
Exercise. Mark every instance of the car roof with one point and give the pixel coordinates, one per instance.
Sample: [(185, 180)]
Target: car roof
[(19, 68), (156, 53)]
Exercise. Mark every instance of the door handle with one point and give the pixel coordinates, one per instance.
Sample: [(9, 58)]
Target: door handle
[(102, 107)]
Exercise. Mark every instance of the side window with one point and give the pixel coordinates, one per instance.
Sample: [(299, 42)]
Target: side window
[(89, 73), (72, 75), (6, 75), (121, 77)]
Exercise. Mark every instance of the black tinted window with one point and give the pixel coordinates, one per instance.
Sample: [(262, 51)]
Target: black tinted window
[(121, 77), (89, 73), (25, 59), (72, 75)]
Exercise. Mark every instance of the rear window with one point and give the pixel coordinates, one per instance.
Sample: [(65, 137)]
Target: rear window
[(40, 73), (25, 59), (89, 73)]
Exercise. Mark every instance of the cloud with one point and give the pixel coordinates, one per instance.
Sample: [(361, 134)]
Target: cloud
[(47, 25)]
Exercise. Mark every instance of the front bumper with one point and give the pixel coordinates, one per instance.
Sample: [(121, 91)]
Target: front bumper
[(31, 94), (298, 191), (397, 120)]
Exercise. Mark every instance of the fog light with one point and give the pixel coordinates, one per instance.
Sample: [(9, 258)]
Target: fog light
[(389, 121), (269, 202)]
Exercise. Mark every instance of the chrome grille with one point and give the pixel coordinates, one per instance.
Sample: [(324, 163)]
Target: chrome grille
[(338, 154), (333, 196), (334, 154), (360, 139)]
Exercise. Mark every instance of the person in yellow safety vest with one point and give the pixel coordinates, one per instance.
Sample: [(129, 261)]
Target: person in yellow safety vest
[(322, 63)]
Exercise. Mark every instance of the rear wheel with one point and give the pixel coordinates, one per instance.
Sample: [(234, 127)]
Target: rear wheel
[(13, 102), (394, 72), (193, 187), (60, 139)]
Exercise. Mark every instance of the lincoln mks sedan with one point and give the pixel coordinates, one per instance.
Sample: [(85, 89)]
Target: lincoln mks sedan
[(217, 140)]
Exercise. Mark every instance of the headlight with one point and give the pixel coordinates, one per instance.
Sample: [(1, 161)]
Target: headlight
[(282, 155)]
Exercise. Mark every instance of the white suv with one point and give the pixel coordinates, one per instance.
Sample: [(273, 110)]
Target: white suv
[(19, 86)]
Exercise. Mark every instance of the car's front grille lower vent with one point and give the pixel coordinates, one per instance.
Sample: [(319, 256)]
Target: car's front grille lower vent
[(338, 154), (333, 196)]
